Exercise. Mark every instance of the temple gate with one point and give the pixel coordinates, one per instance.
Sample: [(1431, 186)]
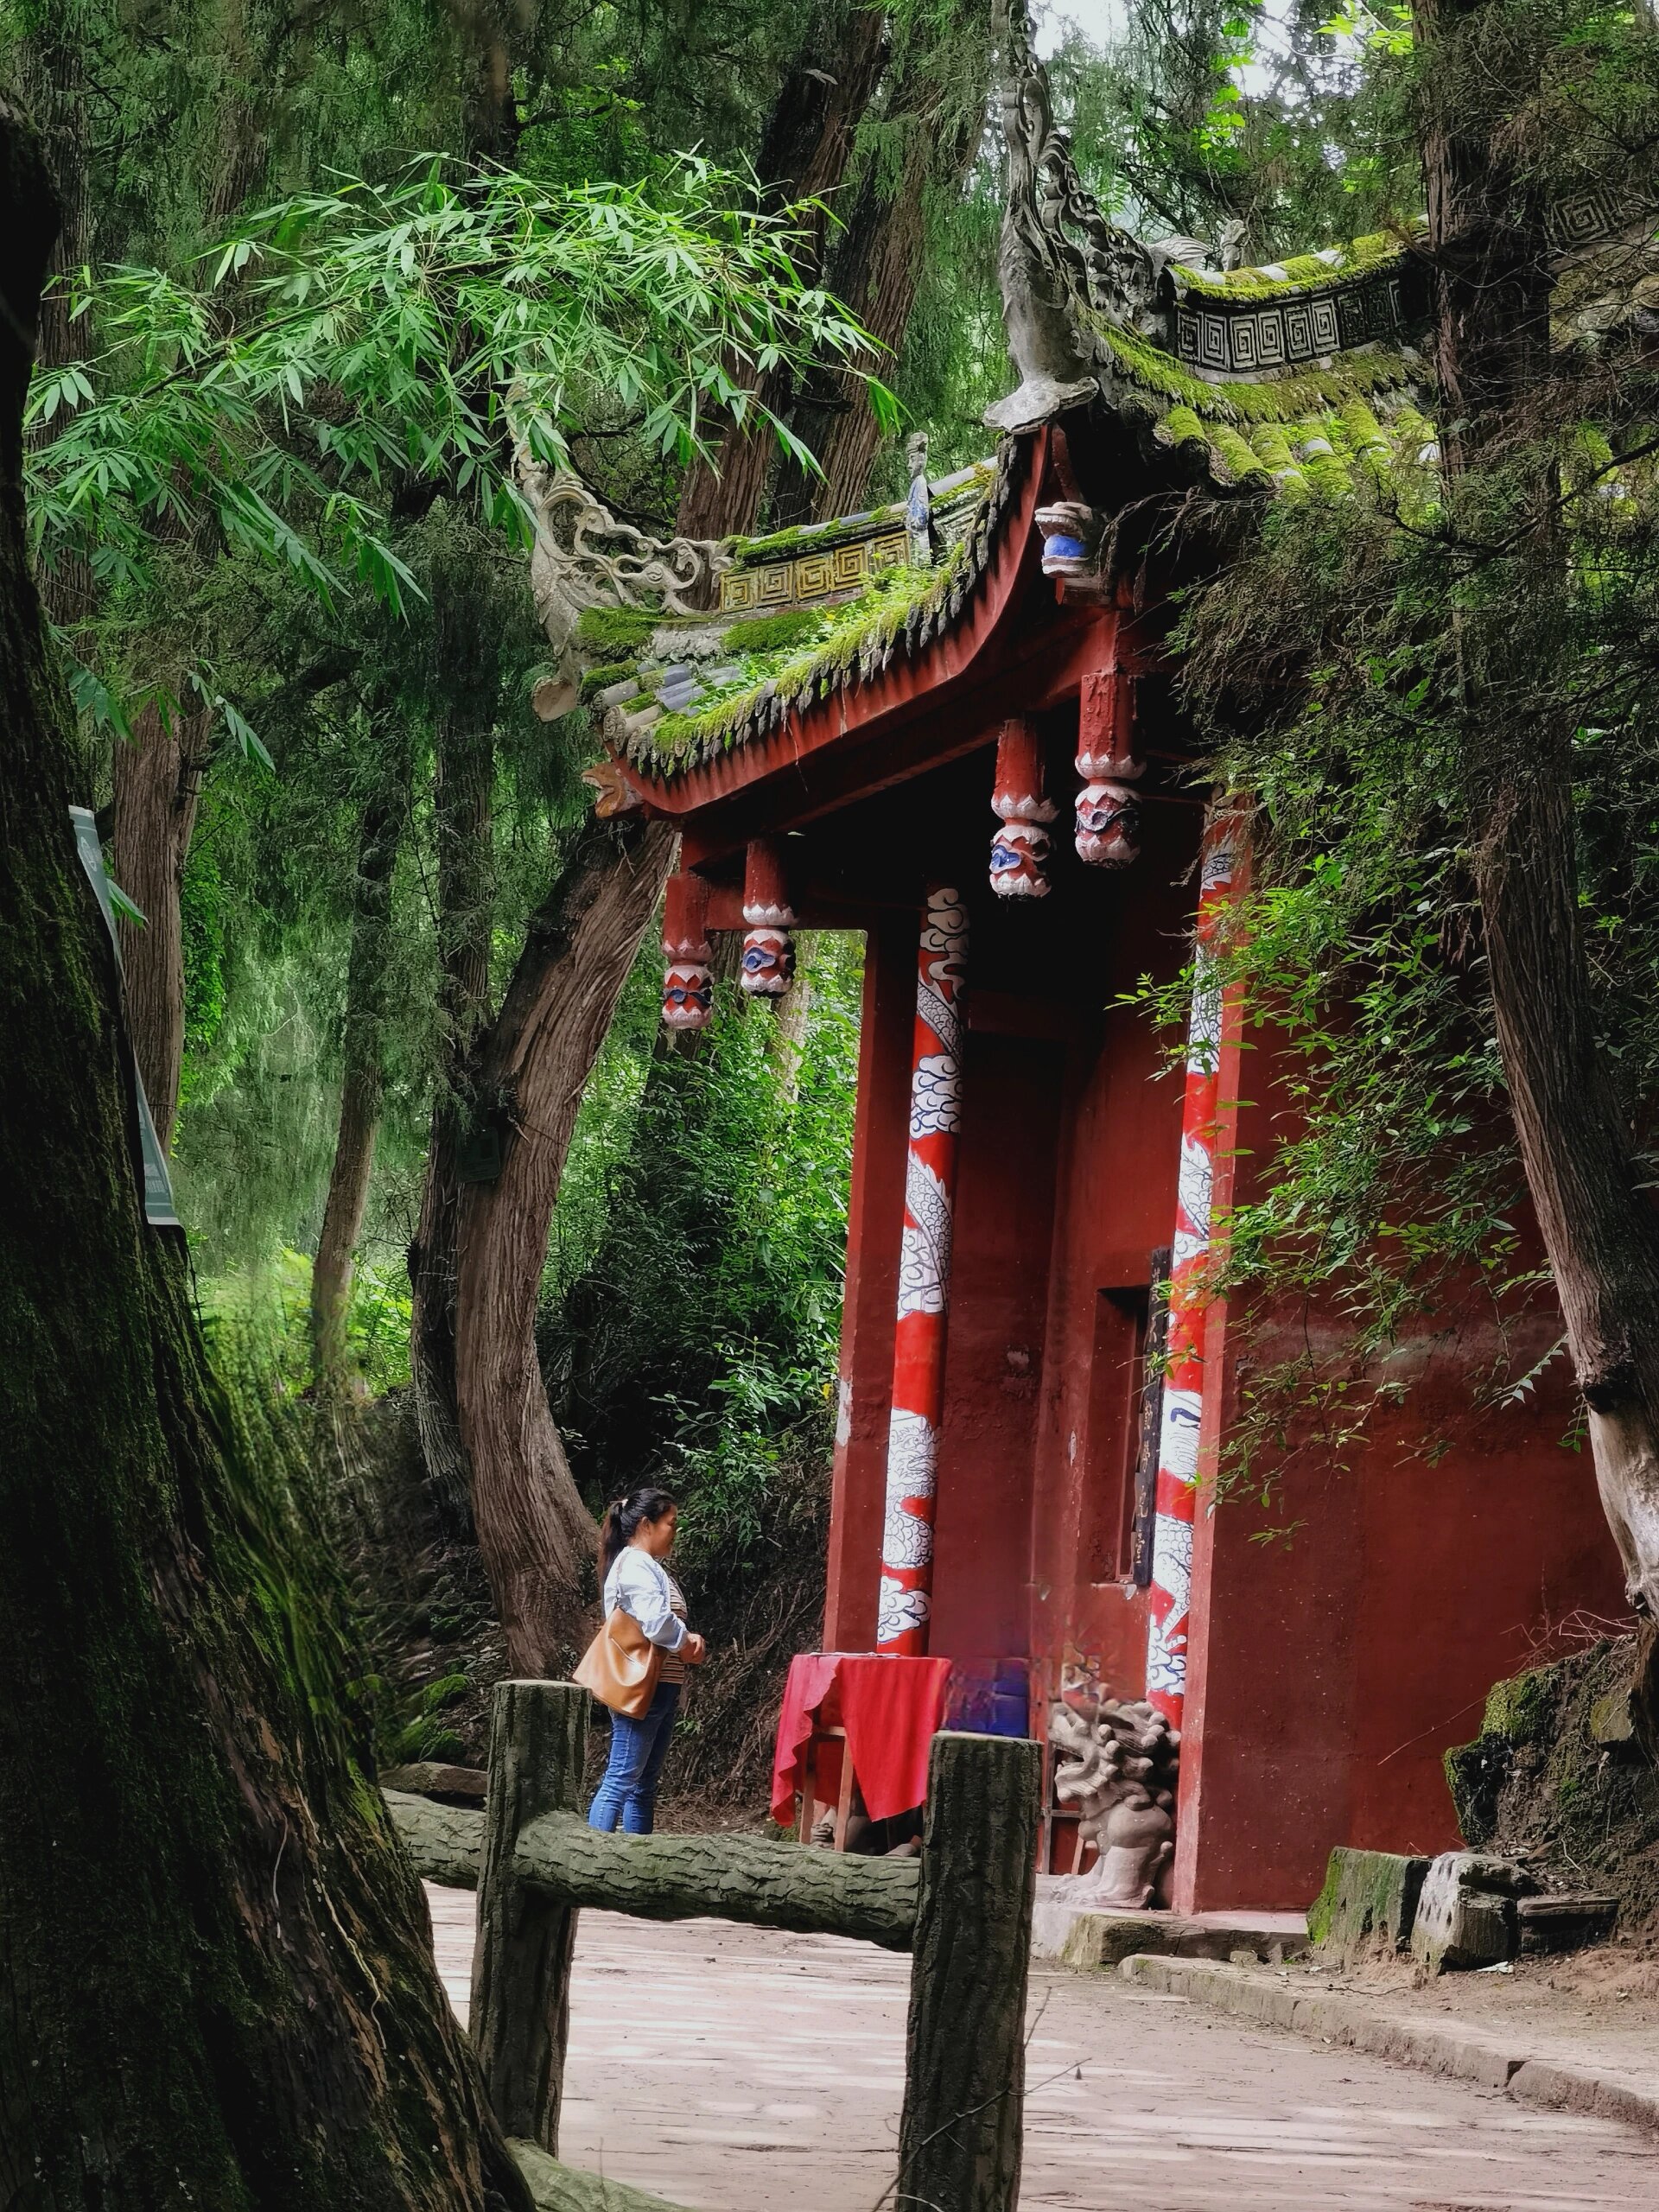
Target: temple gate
[(839, 719)]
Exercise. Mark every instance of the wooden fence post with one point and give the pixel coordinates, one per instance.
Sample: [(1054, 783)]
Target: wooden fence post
[(959, 2141), (521, 1964)]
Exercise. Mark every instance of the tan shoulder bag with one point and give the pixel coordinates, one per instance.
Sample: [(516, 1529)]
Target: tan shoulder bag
[(621, 1665)]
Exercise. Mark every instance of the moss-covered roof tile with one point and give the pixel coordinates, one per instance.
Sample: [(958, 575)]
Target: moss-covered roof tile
[(769, 664)]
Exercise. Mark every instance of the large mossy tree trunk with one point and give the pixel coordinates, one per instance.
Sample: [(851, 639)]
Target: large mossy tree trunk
[(1489, 256), (216, 1980)]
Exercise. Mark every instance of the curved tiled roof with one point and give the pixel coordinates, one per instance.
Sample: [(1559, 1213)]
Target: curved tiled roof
[(1296, 380), (1301, 376), (699, 687)]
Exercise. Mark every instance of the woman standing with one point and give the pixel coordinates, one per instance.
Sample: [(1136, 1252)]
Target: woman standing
[(635, 1537)]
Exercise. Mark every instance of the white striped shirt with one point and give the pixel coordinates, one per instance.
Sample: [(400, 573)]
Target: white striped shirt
[(642, 1587)]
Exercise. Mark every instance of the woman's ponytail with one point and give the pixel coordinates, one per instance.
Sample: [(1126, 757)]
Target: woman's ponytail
[(622, 1522)]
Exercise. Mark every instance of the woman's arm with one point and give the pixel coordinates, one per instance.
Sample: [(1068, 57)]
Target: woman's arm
[(642, 1591)]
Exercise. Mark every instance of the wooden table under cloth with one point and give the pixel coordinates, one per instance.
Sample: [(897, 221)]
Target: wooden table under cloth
[(867, 1716)]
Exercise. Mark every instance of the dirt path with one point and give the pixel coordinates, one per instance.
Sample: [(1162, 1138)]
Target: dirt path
[(735, 2070)]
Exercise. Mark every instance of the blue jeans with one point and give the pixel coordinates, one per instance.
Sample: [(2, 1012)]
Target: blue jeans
[(638, 1750)]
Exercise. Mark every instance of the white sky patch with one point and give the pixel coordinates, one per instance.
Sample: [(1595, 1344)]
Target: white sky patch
[(1101, 20)]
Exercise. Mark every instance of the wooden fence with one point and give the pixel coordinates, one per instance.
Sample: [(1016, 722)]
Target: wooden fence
[(962, 1910)]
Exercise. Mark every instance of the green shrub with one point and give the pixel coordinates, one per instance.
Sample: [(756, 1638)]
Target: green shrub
[(420, 1732), (690, 1320)]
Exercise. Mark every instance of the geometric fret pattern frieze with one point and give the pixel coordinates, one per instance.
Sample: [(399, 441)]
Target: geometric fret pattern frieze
[(1251, 337), (812, 575), (1247, 338), (1598, 213)]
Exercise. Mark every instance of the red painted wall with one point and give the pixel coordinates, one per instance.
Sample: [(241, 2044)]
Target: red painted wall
[(1120, 1150), (1327, 1676), (994, 1360)]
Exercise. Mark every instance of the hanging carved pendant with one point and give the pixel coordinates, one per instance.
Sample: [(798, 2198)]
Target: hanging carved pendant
[(1020, 848), (1108, 811), (688, 987), (768, 965)]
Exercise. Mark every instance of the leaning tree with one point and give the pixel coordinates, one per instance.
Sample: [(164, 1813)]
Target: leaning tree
[(219, 1987), (1507, 402)]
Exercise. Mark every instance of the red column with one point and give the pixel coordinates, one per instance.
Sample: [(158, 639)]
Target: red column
[(924, 1280), (1178, 1443), (874, 1220)]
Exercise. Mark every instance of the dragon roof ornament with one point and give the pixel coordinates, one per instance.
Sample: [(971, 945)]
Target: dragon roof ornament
[(584, 556), (1058, 251)]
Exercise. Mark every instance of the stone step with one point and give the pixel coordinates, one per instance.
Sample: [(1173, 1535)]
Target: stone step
[(1071, 1935)]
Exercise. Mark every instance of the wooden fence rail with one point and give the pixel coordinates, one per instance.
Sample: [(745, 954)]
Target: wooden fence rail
[(443, 1841), (963, 1911), (728, 1877)]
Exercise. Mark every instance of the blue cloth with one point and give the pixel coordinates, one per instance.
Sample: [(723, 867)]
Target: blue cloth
[(638, 1750)]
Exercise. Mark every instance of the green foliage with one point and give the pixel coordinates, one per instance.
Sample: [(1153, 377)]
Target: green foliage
[(420, 1731), (347, 345), (1343, 665), (1197, 115), (206, 912), (267, 1306), (692, 1305)]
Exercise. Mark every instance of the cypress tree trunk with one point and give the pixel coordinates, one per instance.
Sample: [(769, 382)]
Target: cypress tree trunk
[(255, 35), (1490, 255), (533, 1529), (510, 1088), (216, 1982), (936, 100), (804, 154), (462, 813), (362, 1078), (51, 74)]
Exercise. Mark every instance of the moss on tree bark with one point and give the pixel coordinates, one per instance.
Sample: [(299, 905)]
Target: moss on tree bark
[(216, 1982)]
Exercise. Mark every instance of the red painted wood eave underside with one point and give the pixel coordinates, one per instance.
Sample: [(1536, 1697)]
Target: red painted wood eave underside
[(972, 648)]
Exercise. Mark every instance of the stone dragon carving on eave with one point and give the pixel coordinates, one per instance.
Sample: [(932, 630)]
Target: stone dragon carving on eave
[(1058, 251), (583, 557)]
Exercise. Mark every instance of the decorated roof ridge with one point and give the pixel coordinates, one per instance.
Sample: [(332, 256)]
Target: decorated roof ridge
[(1083, 295), (605, 590), (1321, 270), (1298, 378), (962, 485), (692, 688), (1087, 306)]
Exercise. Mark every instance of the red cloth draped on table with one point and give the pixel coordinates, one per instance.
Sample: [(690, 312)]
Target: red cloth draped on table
[(891, 1707)]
